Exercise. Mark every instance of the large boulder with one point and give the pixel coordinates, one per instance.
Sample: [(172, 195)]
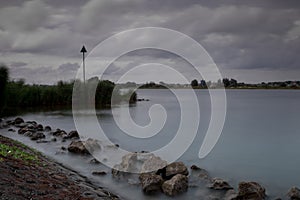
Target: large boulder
[(152, 163), (176, 185), (173, 169), (251, 191), (84, 147), (220, 184), (151, 183), (140, 163), (294, 193)]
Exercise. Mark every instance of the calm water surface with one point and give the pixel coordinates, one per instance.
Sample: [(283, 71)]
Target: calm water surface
[(260, 140)]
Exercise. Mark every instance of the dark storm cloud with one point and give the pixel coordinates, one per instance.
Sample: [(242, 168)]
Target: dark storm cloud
[(239, 35)]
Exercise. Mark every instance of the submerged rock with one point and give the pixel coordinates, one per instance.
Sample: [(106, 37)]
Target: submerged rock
[(43, 141), (176, 185), (251, 190), (195, 167), (294, 193), (99, 173), (220, 184), (94, 161)]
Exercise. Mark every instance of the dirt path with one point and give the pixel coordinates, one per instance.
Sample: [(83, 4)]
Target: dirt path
[(27, 174)]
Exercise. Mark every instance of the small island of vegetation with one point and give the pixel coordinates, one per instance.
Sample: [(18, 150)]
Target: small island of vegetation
[(17, 95)]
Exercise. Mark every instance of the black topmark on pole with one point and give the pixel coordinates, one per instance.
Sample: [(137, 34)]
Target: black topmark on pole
[(83, 50)]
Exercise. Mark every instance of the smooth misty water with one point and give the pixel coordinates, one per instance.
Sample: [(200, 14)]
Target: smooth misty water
[(260, 140)]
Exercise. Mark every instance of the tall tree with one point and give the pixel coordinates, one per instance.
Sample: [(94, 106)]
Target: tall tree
[(194, 83)]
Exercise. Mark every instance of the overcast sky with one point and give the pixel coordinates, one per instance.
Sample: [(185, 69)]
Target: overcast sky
[(250, 40)]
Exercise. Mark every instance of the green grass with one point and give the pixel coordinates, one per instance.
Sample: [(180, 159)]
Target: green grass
[(15, 152)]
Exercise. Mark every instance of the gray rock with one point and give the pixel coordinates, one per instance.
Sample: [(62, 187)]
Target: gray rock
[(176, 185), (32, 122), (34, 135), (294, 193), (37, 136), (72, 134), (59, 133), (22, 125), (25, 129), (84, 147), (11, 130), (251, 191), (77, 147), (220, 184), (153, 163), (47, 128), (140, 163), (18, 120), (174, 169), (39, 127), (151, 183), (30, 126)]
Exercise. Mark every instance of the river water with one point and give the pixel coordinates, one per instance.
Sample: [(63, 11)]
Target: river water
[(260, 140)]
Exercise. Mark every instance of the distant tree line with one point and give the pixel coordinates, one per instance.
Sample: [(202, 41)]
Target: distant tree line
[(225, 82), (17, 94), (152, 85), (229, 83), (232, 83)]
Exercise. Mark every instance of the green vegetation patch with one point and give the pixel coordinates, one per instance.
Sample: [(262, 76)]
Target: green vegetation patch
[(15, 152)]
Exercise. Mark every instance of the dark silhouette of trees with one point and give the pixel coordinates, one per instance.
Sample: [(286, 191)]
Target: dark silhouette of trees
[(203, 84), (194, 83), (3, 83), (226, 82), (22, 96)]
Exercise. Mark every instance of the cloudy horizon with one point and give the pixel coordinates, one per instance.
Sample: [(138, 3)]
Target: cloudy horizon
[(251, 41)]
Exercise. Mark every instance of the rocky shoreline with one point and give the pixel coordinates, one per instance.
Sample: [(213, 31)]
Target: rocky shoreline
[(58, 182), (41, 177)]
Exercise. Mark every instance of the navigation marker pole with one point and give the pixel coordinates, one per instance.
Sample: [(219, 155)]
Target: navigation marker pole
[(83, 50)]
